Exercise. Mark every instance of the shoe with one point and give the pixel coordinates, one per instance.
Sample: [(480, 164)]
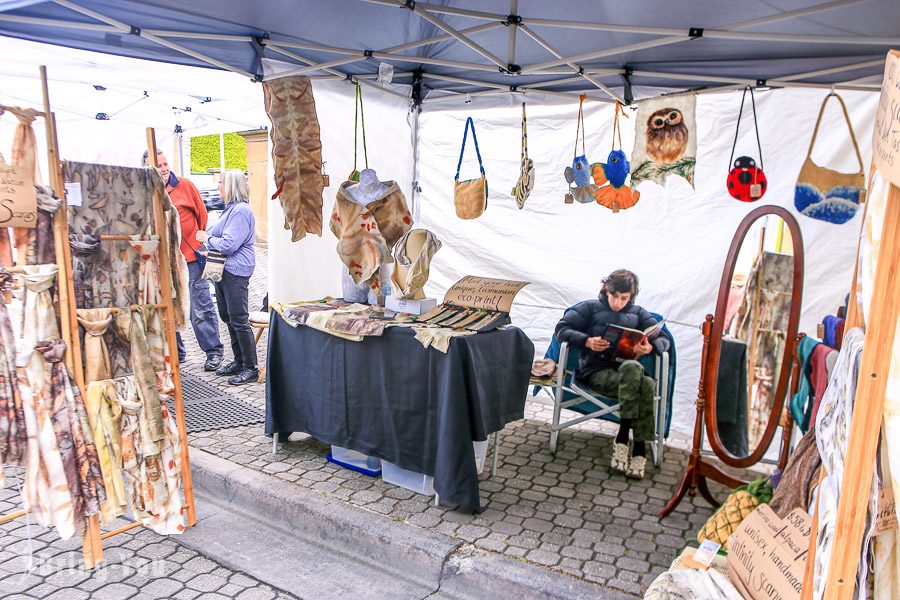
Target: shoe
[(636, 467), (244, 376), (229, 369), (619, 462), (213, 362)]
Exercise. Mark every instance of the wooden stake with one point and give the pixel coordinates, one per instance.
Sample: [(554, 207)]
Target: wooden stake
[(868, 411), (165, 269), (12, 516)]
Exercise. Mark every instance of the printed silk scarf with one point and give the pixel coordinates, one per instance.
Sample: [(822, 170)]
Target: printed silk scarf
[(104, 415), (95, 322), (13, 437), (67, 413), (131, 326)]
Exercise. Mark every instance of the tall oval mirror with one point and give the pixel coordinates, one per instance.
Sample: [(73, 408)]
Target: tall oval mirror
[(753, 336)]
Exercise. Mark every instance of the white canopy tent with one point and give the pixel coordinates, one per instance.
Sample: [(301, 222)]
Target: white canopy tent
[(675, 238)]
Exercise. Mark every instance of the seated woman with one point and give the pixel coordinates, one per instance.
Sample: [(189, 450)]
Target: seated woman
[(583, 327)]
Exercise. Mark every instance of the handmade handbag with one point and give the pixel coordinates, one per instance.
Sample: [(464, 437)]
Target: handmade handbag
[(746, 181), (470, 196), (829, 195), (357, 117), (526, 170), (215, 265), (610, 176), (578, 176)]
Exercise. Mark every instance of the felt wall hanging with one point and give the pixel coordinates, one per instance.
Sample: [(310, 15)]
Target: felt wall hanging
[(297, 153), (829, 195), (665, 140), (578, 176), (746, 180), (525, 183), (610, 176), (470, 197)]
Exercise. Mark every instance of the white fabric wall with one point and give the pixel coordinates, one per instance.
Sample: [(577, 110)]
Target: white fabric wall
[(675, 238), (310, 269)]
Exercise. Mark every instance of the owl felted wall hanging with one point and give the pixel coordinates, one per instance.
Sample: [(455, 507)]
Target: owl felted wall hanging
[(610, 176), (665, 141)]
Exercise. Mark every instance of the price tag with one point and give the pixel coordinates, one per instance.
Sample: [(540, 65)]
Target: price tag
[(73, 194), (886, 519)]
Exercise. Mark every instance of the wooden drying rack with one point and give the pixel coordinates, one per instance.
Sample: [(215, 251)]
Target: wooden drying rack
[(92, 540)]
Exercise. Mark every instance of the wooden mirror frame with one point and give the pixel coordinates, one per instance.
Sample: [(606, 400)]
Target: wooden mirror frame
[(700, 469)]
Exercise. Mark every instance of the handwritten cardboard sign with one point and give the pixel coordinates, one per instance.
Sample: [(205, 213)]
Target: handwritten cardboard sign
[(886, 136), (483, 292), (886, 519), (767, 554), (18, 200)]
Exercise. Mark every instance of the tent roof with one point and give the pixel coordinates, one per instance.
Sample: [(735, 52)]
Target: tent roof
[(606, 50)]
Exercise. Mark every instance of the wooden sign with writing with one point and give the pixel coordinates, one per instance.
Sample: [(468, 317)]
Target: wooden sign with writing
[(18, 200), (886, 136), (767, 554), (484, 293)]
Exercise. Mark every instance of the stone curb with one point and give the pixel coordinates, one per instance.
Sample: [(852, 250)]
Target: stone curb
[(427, 559)]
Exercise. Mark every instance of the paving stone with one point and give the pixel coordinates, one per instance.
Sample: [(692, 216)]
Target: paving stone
[(256, 594), (115, 591), (206, 583), (162, 588), (544, 557)]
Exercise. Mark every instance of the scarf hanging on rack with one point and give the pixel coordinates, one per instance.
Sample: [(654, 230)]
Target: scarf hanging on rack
[(130, 325), (149, 291), (38, 320), (40, 239), (95, 322), (13, 437), (24, 155), (77, 449), (152, 468), (104, 415)]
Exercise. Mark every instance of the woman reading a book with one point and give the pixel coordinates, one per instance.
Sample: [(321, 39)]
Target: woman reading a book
[(611, 333)]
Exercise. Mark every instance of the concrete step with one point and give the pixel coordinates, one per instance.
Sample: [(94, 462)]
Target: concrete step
[(313, 546)]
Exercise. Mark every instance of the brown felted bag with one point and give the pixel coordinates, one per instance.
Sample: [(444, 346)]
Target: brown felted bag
[(470, 196)]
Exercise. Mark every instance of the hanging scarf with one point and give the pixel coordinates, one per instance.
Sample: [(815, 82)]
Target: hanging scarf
[(84, 251), (148, 278), (67, 412), (152, 469), (130, 325), (95, 322), (13, 437), (24, 155), (40, 239), (104, 416), (38, 320)]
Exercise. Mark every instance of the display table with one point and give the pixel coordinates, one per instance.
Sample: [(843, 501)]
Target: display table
[(390, 397)]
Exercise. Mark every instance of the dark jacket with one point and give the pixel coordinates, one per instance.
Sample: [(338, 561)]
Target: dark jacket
[(589, 319)]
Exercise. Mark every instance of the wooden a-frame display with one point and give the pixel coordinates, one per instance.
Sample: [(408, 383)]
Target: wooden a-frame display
[(92, 541)]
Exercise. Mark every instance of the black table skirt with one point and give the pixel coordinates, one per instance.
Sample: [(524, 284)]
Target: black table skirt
[(390, 397)]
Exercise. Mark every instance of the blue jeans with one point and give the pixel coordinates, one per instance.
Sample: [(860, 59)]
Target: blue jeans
[(203, 314)]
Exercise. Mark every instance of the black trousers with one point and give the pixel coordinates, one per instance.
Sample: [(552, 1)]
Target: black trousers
[(232, 299)]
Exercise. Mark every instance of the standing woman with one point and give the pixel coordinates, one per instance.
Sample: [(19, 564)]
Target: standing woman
[(233, 235)]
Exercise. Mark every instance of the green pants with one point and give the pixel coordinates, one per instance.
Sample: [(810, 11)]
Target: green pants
[(634, 390)]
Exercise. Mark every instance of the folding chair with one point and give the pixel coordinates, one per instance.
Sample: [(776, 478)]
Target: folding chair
[(569, 393)]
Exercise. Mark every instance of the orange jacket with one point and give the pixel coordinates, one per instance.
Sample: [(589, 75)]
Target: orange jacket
[(191, 211)]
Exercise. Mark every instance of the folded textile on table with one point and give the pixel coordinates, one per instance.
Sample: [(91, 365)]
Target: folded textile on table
[(73, 432), (296, 313), (438, 337)]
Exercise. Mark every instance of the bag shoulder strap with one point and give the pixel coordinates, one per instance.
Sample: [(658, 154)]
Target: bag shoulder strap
[(849, 126), (580, 126), (617, 127), (469, 123), (358, 116), (755, 126), (524, 136)]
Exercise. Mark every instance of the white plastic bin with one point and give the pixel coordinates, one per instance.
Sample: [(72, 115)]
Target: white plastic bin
[(357, 461), (415, 482)]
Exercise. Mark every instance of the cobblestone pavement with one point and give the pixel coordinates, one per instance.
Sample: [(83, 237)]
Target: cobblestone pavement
[(566, 512)]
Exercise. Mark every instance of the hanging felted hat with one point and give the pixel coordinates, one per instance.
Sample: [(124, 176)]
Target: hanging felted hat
[(368, 190)]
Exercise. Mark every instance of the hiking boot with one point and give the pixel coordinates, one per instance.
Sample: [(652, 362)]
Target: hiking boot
[(230, 369), (213, 362), (244, 376)]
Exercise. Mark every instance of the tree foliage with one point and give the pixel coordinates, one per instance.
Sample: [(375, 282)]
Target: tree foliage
[(205, 152)]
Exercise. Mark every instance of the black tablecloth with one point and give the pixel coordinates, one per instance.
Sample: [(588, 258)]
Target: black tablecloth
[(390, 397)]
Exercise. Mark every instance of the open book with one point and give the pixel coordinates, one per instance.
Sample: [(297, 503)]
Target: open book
[(622, 340)]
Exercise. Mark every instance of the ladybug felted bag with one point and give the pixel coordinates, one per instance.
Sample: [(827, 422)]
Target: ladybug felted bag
[(470, 196), (526, 170), (746, 180), (829, 195)]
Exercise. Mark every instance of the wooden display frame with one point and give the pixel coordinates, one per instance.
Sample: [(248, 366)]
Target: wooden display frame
[(92, 540)]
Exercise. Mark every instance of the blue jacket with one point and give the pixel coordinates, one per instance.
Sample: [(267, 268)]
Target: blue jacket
[(233, 235)]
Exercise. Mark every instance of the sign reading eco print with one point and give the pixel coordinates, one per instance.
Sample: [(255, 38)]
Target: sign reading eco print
[(665, 141), (18, 200)]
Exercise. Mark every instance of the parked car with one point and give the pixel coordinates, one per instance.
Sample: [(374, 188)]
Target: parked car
[(212, 199)]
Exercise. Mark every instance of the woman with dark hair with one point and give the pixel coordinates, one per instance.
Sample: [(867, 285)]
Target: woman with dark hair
[(584, 327), (233, 235)]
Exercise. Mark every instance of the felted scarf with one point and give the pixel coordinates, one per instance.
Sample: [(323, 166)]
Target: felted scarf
[(417, 267), (367, 233), (104, 415), (67, 412), (13, 437), (95, 322)]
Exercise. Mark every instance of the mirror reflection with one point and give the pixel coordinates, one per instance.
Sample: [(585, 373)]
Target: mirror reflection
[(755, 330)]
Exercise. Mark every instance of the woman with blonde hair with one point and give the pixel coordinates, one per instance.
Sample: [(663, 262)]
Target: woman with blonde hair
[(233, 235)]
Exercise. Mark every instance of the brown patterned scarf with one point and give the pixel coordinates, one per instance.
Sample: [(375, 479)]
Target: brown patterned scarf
[(95, 322), (13, 438)]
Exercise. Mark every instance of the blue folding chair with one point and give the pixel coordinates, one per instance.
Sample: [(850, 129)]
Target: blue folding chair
[(571, 394)]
